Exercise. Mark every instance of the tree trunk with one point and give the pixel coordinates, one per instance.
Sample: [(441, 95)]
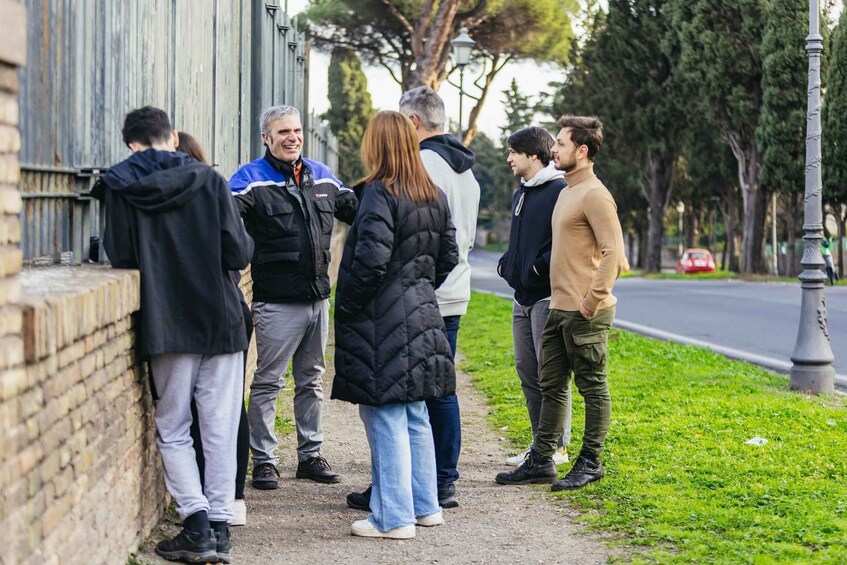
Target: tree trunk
[(753, 197), (471, 130), (841, 222), (631, 243), (659, 179), (642, 247), (729, 261), (429, 42), (692, 229), (794, 208)]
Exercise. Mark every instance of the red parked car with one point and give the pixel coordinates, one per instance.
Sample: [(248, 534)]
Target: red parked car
[(696, 261)]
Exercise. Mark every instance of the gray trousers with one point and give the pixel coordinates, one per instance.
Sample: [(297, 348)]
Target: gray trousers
[(285, 332), (215, 383), (527, 328)]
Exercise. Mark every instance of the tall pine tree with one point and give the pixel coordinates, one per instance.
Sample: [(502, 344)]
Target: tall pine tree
[(350, 111)]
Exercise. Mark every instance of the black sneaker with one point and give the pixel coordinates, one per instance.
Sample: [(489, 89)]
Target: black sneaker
[(318, 470), (585, 470), (447, 496), (534, 469), (360, 500), (224, 545), (265, 476), (198, 547)]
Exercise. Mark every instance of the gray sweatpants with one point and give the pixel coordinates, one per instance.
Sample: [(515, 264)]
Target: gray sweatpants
[(527, 327), (284, 332), (215, 383)]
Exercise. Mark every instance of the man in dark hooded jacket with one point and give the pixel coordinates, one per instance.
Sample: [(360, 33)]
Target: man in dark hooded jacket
[(173, 219)]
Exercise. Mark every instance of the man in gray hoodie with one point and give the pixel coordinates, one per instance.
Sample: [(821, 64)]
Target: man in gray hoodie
[(448, 163)]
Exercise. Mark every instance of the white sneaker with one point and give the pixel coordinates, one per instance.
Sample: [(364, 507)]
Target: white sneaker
[(239, 513), (561, 456), (435, 519), (365, 529), (518, 459)]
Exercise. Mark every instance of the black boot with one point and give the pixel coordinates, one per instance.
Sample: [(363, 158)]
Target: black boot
[(199, 547), (534, 469), (360, 500), (224, 547), (585, 470), (447, 496), (318, 470), (265, 476)]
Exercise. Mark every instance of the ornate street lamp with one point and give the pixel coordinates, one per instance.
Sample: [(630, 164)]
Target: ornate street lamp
[(462, 47), (812, 357)]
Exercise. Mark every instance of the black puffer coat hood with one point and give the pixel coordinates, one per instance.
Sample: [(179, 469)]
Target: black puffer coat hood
[(390, 343)]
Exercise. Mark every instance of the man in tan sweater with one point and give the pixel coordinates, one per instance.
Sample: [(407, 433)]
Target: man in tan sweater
[(587, 257)]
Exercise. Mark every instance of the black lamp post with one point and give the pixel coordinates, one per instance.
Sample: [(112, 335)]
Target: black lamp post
[(462, 47)]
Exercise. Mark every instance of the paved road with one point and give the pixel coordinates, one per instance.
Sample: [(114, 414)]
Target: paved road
[(759, 319)]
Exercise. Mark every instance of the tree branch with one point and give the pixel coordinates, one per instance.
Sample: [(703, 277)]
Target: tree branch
[(424, 21), (480, 6), (399, 17)]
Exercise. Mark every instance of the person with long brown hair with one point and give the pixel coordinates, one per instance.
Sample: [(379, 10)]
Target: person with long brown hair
[(191, 147), (392, 353)]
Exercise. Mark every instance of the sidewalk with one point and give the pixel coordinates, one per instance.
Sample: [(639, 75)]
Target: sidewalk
[(306, 522)]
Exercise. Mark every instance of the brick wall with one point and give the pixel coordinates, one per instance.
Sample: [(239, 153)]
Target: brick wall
[(81, 466), (80, 477), (12, 56)]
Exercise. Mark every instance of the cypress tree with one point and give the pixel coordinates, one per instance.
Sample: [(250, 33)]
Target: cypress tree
[(720, 58), (782, 123), (350, 111)]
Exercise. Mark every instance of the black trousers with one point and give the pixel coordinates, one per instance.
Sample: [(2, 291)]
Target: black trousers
[(242, 448)]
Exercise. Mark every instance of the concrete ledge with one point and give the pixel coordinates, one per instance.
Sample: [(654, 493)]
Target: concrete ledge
[(62, 305)]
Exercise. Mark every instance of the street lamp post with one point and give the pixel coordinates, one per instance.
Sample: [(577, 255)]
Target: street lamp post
[(812, 356), (462, 47)]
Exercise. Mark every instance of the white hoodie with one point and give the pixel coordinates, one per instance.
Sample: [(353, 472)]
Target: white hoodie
[(462, 192)]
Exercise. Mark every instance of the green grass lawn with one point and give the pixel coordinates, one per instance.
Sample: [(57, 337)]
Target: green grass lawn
[(717, 275), (680, 480)]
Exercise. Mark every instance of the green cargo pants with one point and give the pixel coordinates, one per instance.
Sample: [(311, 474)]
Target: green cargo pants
[(571, 343)]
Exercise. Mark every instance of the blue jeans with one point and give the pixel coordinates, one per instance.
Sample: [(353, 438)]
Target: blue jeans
[(446, 421), (402, 464)]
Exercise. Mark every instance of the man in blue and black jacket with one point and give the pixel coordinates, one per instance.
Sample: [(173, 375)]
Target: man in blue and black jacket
[(288, 204), (526, 265)]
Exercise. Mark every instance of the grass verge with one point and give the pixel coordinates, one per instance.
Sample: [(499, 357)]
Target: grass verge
[(680, 479), (717, 275)]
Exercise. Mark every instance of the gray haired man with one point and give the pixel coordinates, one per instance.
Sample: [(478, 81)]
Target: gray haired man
[(288, 204)]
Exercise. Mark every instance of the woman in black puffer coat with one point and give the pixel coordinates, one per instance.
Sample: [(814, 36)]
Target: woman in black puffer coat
[(391, 350)]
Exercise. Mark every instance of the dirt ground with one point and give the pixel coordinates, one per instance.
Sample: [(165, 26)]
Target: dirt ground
[(307, 522)]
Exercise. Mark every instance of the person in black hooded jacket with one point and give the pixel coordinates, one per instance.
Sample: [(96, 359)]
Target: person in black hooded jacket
[(526, 266), (392, 352), (173, 219)]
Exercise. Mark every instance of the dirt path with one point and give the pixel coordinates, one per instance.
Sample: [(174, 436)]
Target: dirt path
[(304, 522)]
